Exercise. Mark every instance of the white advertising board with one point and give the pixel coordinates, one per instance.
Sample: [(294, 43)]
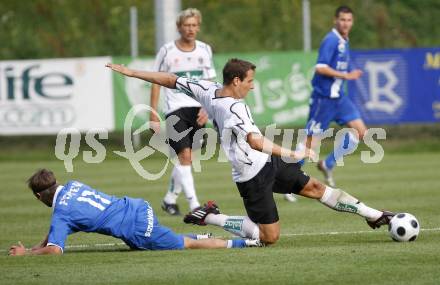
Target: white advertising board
[(45, 96)]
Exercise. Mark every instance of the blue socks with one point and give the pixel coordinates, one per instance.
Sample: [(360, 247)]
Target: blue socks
[(191, 236), (236, 243), (232, 243), (348, 145)]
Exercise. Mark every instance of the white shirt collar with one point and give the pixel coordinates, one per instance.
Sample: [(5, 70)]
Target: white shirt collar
[(339, 35), (54, 201)]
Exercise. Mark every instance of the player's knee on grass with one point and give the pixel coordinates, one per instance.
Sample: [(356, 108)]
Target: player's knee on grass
[(269, 234), (314, 189)]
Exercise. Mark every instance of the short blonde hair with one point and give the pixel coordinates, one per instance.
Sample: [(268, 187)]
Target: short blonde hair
[(188, 13)]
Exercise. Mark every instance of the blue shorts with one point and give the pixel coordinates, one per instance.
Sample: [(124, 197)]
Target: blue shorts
[(324, 110), (150, 235)]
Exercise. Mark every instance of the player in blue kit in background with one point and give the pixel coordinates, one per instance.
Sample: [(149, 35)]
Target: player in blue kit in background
[(328, 100), (80, 208)]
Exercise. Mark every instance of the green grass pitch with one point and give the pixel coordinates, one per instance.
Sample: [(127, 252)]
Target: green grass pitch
[(317, 246)]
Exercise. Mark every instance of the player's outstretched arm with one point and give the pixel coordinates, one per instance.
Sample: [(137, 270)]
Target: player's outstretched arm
[(19, 249), (261, 143), (161, 78)]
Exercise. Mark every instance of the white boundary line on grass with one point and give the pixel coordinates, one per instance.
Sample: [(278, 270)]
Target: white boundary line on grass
[(347, 233), (286, 235)]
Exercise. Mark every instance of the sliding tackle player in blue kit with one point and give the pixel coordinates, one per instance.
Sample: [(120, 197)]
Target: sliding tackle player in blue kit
[(79, 208)]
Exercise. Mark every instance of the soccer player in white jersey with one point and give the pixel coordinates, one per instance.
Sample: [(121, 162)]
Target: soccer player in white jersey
[(259, 166), (79, 208), (328, 100), (191, 58)]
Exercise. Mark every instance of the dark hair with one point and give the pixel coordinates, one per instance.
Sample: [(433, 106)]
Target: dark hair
[(343, 9), (236, 68), (41, 180)]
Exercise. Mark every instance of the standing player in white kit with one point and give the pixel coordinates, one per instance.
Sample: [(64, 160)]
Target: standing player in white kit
[(190, 58)]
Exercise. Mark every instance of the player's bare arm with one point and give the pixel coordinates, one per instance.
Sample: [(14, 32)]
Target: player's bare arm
[(161, 78), (20, 249), (158, 79), (41, 244), (154, 101), (330, 72), (261, 143)]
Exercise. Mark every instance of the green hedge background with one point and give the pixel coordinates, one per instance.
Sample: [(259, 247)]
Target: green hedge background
[(69, 28)]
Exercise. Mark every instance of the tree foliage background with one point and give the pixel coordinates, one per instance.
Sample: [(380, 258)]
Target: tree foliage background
[(75, 28)]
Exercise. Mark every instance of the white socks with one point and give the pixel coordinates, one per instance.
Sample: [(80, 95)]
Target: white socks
[(344, 202), (182, 179), (174, 188), (240, 226), (187, 182)]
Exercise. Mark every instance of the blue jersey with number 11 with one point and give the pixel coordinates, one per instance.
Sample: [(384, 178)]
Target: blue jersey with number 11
[(334, 53), (78, 207)]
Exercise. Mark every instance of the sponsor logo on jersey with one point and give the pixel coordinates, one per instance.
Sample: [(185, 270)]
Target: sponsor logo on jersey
[(190, 74), (341, 47), (341, 65), (150, 221)]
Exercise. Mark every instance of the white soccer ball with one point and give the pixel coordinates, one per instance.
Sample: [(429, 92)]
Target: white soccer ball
[(404, 227)]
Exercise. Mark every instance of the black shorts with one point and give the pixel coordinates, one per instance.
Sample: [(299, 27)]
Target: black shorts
[(187, 119), (276, 176)]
